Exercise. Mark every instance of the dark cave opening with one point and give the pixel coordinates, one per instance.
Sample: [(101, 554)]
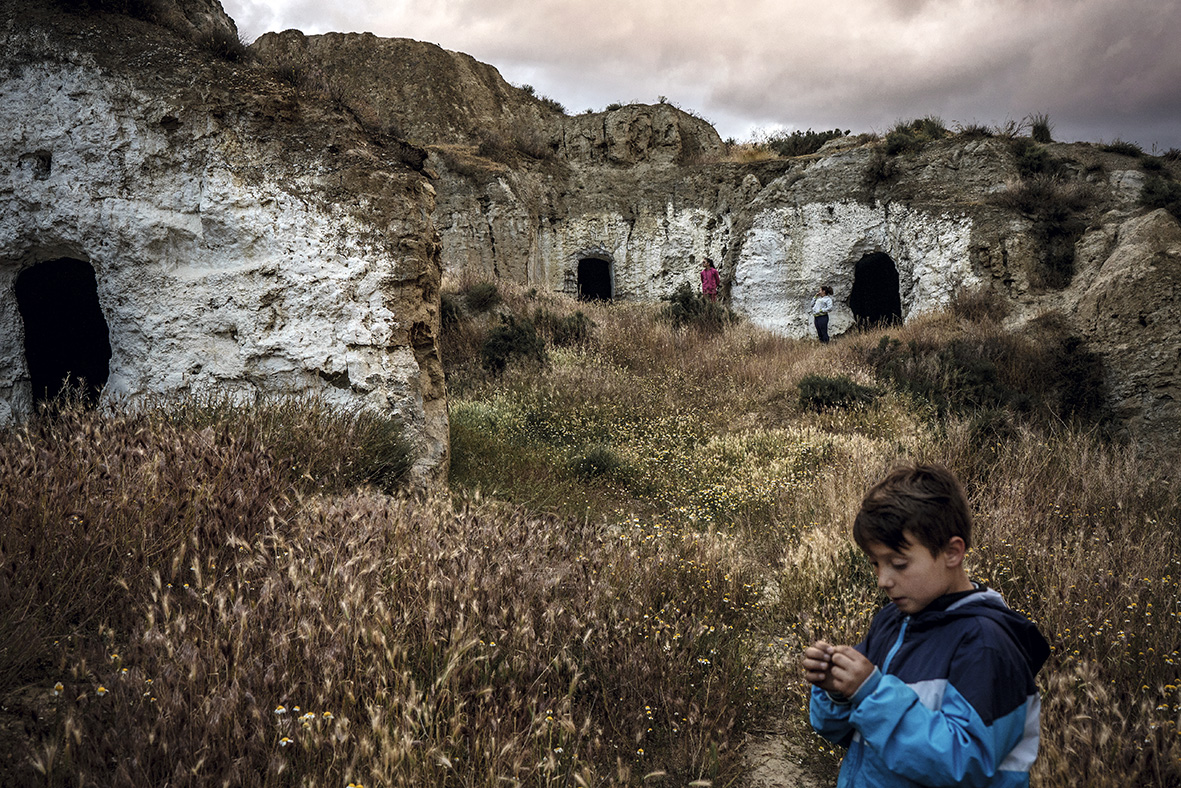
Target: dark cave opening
[(66, 337), (594, 279), (875, 298)]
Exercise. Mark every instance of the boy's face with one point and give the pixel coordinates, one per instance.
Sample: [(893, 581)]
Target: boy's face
[(913, 578)]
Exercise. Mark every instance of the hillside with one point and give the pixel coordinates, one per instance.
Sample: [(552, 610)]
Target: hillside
[(648, 524), (626, 203)]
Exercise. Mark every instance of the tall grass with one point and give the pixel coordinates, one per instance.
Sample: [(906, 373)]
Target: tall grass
[(644, 533), (244, 622), (105, 502), (371, 641), (1077, 531)]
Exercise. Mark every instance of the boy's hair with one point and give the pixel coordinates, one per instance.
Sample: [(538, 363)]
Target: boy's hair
[(926, 500)]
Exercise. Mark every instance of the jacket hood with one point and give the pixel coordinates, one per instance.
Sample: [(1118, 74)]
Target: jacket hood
[(990, 604)]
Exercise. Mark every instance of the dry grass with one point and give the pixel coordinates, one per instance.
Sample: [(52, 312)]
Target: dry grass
[(248, 624), (371, 641), (1072, 528), (676, 533)]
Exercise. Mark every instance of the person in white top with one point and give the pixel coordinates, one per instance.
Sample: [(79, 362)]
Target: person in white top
[(821, 306)]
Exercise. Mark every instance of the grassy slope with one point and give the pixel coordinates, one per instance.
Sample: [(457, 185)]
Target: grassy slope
[(706, 432), (646, 530)]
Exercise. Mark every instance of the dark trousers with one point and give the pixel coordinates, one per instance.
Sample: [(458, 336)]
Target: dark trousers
[(822, 327)]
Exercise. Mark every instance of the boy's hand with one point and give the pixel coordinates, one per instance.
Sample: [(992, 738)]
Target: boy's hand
[(840, 669), (818, 664)]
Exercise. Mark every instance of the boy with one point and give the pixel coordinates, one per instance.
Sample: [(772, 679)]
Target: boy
[(821, 306), (941, 691)]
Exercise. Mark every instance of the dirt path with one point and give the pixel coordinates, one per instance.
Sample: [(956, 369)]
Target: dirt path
[(772, 760)]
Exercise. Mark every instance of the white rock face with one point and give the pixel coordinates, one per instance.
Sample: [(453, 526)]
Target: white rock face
[(225, 261), (1131, 312), (790, 250), (649, 254)]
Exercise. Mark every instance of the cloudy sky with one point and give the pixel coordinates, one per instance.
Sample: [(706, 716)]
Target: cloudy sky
[(1101, 69)]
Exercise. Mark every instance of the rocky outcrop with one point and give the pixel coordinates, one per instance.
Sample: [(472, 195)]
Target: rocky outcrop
[(433, 96), (640, 195), (1131, 312), (415, 90), (242, 240), (637, 134), (328, 141)]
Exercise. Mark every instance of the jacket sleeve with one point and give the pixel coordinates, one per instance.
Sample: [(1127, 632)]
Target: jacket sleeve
[(940, 738), (829, 718)]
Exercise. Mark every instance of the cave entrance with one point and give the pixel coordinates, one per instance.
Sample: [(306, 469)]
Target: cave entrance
[(594, 279), (875, 298), (66, 335)]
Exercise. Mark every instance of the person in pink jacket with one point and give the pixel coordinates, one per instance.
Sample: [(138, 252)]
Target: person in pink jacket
[(710, 280)]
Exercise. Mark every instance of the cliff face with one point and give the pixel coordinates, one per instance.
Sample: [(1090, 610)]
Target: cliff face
[(238, 239), (277, 225), (627, 203)]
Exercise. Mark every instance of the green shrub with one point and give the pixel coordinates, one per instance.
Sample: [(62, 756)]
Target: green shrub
[(818, 393), (902, 140), (913, 136), (1045, 197), (687, 308), (598, 459), (930, 128), (1153, 164), (450, 310), (1158, 192), (510, 340), (956, 376), (879, 170), (801, 143), (1032, 159), (614, 105), (1172, 154), (1123, 148), (1040, 128), (1046, 372), (296, 75), (225, 45), (565, 330), (1055, 206), (553, 105), (1081, 381), (481, 297), (976, 131)]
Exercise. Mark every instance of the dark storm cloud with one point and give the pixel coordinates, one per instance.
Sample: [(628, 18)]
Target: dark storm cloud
[(1101, 68)]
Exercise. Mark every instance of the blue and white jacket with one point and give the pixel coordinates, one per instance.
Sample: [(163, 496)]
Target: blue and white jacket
[(952, 700)]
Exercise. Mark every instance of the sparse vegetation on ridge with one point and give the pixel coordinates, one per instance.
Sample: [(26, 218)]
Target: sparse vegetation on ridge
[(1123, 148), (1162, 192), (1040, 128)]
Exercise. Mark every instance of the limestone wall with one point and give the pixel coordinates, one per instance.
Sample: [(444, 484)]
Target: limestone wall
[(792, 249), (242, 242)]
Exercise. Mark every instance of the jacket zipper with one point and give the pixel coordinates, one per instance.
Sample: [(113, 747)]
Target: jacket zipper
[(897, 645), (885, 665)]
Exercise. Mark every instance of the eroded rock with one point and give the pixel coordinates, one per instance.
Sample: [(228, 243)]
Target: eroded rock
[(242, 240)]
